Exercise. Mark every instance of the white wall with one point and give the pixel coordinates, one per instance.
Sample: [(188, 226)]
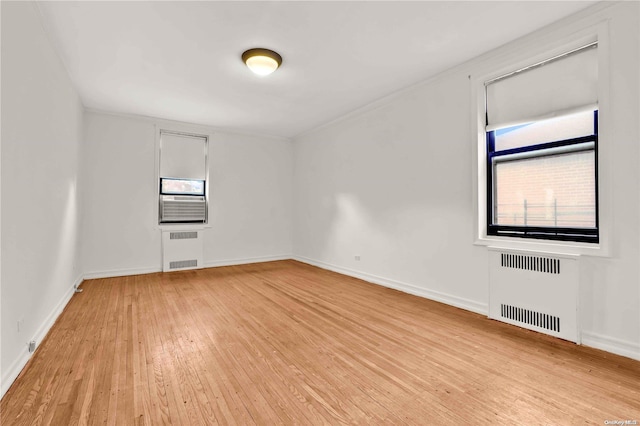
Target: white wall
[(119, 155), (41, 136), (394, 184), (250, 196), (2, 385), (251, 199)]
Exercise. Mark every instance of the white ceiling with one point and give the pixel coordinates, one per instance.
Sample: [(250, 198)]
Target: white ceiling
[(181, 60)]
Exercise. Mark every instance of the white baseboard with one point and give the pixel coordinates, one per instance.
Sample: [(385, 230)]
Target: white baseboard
[(246, 260), (11, 374), (611, 344), (121, 272), (211, 264), (448, 299)]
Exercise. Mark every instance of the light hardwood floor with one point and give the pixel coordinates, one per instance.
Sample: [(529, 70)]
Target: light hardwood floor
[(287, 343)]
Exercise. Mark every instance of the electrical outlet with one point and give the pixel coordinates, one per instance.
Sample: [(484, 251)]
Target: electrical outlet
[(20, 325), (357, 257)]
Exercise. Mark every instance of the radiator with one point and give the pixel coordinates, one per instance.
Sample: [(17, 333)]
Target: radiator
[(181, 250), (537, 291)]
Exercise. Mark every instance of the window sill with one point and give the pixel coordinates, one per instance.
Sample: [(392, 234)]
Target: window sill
[(544, 246), (183, 226)]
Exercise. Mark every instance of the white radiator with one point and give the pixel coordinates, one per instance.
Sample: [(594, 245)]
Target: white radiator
[(537, 291), (181, 250)]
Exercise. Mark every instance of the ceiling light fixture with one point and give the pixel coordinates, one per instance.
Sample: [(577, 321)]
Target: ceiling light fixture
[(262, 61)]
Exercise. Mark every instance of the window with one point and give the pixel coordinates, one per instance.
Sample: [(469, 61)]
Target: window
[(170, 186), (182, 193), (542, 179), (542, 150)]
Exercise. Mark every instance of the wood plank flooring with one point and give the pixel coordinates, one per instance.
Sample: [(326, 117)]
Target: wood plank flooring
[(287, 343)]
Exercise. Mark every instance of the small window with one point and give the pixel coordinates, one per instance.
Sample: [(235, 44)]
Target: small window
[(182, 174), (542, 179), (170, 186)]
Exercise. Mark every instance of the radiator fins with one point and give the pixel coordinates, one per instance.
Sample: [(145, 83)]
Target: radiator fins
[(178, 264), (530, 263), (526, 316), (183, 235)]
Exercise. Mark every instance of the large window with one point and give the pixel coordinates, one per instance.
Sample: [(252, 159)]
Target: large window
[(542, 179), (542, 149)]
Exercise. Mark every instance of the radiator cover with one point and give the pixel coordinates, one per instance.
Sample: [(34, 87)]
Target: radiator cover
[(182, 250), (537, 291)]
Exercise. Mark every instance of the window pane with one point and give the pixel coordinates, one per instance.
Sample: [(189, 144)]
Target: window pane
[(552, 191), (182, 186), (551, 130)]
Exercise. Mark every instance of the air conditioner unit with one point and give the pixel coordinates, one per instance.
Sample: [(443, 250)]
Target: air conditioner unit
[(183, 208)]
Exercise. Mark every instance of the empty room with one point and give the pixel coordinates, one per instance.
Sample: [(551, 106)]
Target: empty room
[(320, 212)]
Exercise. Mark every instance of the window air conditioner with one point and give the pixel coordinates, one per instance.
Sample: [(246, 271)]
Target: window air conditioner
[(183, 208)]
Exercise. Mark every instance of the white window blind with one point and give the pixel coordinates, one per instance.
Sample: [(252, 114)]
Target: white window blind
[(182, 156), (564, 84)]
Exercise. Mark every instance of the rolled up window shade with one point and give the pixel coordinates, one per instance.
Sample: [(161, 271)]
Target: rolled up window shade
[(182, 156), (563, 84)]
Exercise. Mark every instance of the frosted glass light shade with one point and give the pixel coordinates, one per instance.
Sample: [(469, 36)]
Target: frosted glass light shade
[(262, 61), (262, 65)]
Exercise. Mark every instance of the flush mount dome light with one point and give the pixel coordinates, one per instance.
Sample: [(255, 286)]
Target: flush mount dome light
[(262, 61)]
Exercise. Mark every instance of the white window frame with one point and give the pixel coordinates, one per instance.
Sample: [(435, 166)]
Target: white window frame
[(184, 131), (524, 54)]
